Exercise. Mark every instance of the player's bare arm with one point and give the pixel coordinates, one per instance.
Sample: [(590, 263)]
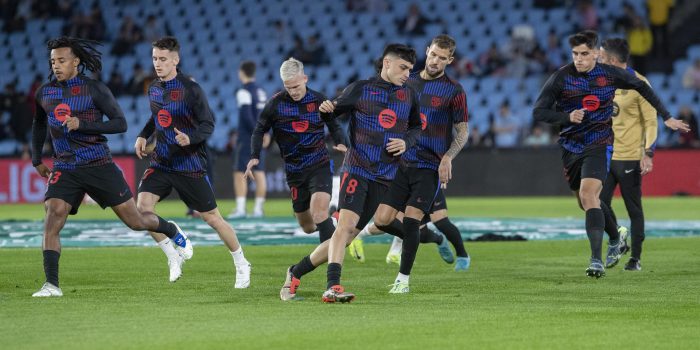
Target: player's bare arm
[(461, 132)]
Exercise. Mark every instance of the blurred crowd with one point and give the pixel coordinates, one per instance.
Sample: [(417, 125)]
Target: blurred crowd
[(523, 55)]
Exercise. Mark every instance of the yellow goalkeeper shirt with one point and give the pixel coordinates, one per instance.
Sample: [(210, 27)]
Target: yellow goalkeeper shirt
[(634, 124)]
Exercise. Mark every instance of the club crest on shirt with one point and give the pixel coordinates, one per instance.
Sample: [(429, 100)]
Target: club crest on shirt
[(601, 81), (401, 95), (175, 95), (435, 101), (75, 90), (311, 107)]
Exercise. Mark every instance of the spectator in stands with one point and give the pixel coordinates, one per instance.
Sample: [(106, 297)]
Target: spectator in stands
[(71, 27), (555, 55), (153, 30), (537, 61), (659, 14), (316, 52), (689, 139), (282, 35), (20, 118), (691, 77), (506, 128), (9, 9), (14, 15), (465, 67), (522, 38), (587, 15), (88, 26), (518, 64), (96, 28), (65, 8), (547, 4), (538, 136), (373, 6), (624, 22), (31, 94), (492, 62), (640, 41), (474, 139), (299, 50), (129, 35), (139, 79), (414, 22), (44, 9), (116, 84)]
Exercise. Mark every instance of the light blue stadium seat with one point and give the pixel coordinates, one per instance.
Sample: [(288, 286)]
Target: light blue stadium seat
[(8, 147), (685, 97), (694, 52)]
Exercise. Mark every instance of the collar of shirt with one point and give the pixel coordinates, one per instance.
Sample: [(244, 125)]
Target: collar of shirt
[(76, 80), (379, 81)]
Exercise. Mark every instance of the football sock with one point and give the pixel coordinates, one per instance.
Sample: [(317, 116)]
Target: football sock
[(402, 278), (303, 267), (410, 245), (168, 248), (595, 221), (238, 258), (452, 233), (610, 224), (240, 205), (395, 228), (333, 274), (166, 228), (429, 236), (51, 266), (325, 229)]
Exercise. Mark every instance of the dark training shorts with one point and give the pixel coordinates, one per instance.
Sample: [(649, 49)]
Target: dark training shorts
[(593, 162), (195, 192), (104, 183), (305, 183)]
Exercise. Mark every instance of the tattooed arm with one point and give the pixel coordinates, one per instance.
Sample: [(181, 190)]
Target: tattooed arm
[(461, 134)]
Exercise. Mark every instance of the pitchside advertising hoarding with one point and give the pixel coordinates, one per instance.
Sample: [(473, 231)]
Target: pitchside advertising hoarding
[(476, 172), (20, 183)]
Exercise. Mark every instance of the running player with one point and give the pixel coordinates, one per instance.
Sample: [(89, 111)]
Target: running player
[(432, 143), (385, 121), (298, 127), (182, 122), (72, 106), (428, 166), (579, 97)]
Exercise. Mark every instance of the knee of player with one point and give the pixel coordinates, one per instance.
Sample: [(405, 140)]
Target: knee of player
[(135, 224), (142, 208), (55, 211), (588, 198), (319, 216), (382, 220), (308, 228), (211, 217)]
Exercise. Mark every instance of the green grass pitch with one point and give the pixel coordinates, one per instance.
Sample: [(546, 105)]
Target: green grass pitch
[(516, 295)]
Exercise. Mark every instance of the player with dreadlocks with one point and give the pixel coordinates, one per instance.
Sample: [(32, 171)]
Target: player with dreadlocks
[(71, 105)]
